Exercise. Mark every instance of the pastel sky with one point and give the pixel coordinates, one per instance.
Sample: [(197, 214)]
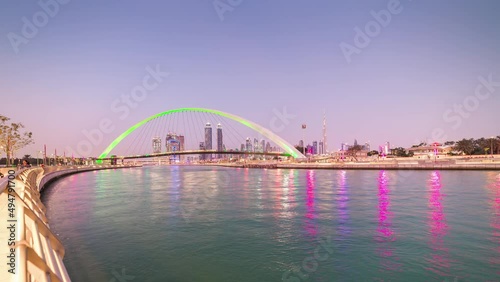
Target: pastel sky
[(255, 58)]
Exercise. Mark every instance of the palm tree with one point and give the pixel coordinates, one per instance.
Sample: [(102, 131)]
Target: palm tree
[(465, 145)]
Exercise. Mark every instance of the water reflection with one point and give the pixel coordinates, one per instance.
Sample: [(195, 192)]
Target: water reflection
[(495, 217), (176, 183), (310, 204), (438, 227), (385, 233), (283, 191), (342, 205)]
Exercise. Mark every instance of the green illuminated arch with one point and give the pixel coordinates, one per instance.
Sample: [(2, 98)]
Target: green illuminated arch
[(264, 131)]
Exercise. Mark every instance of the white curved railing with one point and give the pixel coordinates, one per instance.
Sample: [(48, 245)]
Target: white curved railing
[(30, 250)]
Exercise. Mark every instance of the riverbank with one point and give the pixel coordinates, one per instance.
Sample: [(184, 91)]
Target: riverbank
[(387, 165), (40, 254)]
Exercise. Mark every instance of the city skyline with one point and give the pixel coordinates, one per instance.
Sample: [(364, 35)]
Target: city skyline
[(80, 66)]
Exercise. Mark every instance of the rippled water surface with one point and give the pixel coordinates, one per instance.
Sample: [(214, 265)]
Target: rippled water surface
[(175, 223)]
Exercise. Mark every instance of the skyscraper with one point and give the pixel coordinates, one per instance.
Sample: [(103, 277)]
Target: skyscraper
[(156, 145), (387, 148), (248, 145), (321, 149), (325, 150), (301, 143), (181, 141), (344, 147), (255, 145), (268, 147), (208, 139), (181, 146), (220, 143), (202, 147), (315, 148), (262, 145), (173, 144)]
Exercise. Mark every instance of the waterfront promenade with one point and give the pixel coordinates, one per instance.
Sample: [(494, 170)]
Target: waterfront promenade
[(32, 252)]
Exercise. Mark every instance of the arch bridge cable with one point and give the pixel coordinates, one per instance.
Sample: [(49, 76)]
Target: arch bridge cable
[(204, 128)]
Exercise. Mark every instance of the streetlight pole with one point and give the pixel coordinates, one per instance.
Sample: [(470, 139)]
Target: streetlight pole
[(304, 126), (491, 147)]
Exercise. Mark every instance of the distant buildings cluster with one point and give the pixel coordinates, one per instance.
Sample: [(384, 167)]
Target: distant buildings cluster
[(175, 142)]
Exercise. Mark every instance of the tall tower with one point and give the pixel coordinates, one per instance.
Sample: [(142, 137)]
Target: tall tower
[(202, 147), (181, 141), (208, 138), (172, 144), (248, 144), (220, 143), (156, 145), (325, 150)]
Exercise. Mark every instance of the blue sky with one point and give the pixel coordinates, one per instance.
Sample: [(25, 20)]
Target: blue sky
[(263, 55)]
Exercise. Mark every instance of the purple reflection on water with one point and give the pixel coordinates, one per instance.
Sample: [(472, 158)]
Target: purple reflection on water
[(384, 214), (438, 227), (311, 212), (385, 235), (342, 204)]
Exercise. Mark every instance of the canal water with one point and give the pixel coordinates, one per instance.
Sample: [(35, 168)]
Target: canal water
[(181, 223)]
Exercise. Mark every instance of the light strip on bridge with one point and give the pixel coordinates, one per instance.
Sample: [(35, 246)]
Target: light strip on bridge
[(265, 132)]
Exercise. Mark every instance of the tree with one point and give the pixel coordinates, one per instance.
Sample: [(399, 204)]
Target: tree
[(481, 146), (13, 137), (372, 153), (400, 152), (465, 145), (420, 145), (353, 151)]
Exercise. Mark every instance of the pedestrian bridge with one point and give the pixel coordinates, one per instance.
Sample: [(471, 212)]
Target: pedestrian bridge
[(183, 131)]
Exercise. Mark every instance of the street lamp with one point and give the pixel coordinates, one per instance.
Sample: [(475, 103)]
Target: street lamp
[(491, 147), (304, 126)]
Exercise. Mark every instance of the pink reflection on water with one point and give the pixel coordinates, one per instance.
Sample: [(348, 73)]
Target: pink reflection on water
[(385, 233), (438, 227), (311, 212), (384, 214)]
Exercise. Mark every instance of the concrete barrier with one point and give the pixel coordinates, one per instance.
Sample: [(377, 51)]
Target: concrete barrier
[(32, 252)]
